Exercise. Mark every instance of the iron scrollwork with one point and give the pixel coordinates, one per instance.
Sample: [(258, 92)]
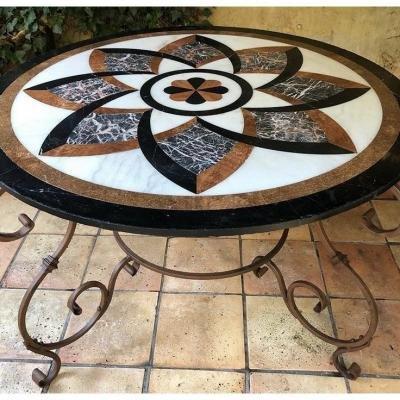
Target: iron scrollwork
[(131, 263)]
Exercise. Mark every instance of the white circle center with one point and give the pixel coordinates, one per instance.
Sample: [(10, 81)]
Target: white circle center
[(158, 94)]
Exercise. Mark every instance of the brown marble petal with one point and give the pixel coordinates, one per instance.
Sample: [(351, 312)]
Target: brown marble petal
[(209, 84), (182, 83), (181, 96), (209, 96), (334, 133)]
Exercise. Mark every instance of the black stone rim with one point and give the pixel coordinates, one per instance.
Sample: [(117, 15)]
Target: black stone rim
[(299, 211)]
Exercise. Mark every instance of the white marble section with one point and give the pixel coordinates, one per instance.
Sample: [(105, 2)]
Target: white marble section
[(129, 170)]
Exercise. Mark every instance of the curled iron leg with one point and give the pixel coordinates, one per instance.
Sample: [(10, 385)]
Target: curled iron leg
[(371, 221), (27, 226), (49, 264), (343, 345)]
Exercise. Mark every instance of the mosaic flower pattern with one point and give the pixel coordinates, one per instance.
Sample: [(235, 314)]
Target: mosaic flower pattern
[(212, 80)]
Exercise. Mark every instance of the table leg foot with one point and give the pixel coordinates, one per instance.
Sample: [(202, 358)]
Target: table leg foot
[(50, 264), (343, 345)]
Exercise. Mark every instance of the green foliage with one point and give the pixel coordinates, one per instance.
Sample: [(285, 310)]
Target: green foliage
[(29, 31)]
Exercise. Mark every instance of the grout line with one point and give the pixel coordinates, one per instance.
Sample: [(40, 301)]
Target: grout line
[(7, 271), (245, 335), (69, 314), (237, 370), (379, 299), (147, 372)]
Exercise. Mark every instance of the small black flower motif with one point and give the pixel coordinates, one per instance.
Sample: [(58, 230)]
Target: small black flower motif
[(196, 90)]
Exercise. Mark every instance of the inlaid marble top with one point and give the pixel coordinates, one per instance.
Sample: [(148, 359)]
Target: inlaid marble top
[(199, 131)]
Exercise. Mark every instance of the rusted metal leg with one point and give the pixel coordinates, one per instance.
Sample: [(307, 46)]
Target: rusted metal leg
[(371, 221), (350, 345), (27, 226), (343, 346), (50, 264)]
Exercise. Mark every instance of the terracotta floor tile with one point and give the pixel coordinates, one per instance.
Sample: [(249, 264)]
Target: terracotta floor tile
[(121, 336), (297, 233), (375, 265), (107, 254), (17, 377), (49, 224), (293, 383), (70, 269), (297, 260), (200, 331), (278, 341), (349, 227), (7, 252), (98, 380), (396, 254), (383, 356), (375, 385), (10, 208), (388, 213), (45, 320), (188, 381), (203, 255)]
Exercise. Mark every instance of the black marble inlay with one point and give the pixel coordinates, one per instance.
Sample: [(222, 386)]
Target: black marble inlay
[(342, 97), (143, 57), (307, 89), (105, 128), (74, 78), (197, 148), (197, 52), (292, 127), (60, 133), (262, 60), (128, 62), (294, 59), (160, 160), (279, 145), (85, 91)]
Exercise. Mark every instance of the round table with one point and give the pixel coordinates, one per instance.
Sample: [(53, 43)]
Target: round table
[(197, 132)]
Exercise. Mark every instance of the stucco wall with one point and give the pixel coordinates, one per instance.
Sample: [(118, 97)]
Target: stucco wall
[(371, 32)]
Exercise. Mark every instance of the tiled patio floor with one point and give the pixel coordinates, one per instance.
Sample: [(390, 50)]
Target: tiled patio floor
[(163, 334)]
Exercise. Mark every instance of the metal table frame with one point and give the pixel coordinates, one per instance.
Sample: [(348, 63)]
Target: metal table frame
[(259, 266)]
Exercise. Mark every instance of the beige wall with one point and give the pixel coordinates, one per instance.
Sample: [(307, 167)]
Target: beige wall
[(371, 32)]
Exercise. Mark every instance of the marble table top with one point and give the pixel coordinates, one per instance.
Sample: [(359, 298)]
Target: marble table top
[(199, 132)]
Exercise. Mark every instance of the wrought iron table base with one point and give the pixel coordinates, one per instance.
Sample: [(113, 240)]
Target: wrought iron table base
[(131, 263)]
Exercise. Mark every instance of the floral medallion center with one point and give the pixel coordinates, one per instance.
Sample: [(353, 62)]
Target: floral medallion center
[(196, 90)]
